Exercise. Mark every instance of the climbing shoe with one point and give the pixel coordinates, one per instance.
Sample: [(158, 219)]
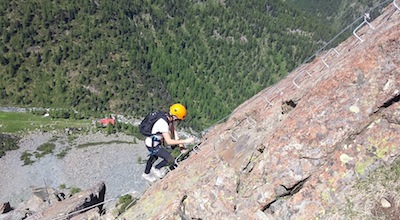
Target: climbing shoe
[(149, 177), (158, 172)]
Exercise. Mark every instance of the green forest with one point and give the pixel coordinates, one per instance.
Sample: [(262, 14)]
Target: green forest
[(134, 56)]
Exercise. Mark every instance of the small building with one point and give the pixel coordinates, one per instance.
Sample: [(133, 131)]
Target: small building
[(106, 121)]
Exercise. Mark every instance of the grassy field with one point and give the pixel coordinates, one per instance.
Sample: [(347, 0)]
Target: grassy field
[(18, 122)]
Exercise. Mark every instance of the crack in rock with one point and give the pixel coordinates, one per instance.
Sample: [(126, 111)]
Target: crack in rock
[(289, 192)]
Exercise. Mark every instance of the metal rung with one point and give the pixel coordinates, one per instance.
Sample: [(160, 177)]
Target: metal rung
[(268, 101), (294, 80), (196, 146), (366, 16), (176, 159), (395, 5), (194, 149), (272, 90), (234, 136), (251, 121), (180, 155), (323, 58)]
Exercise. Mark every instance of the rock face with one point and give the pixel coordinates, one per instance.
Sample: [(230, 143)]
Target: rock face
[(5, 207), (48, 203), (304, 148), (71, 207)]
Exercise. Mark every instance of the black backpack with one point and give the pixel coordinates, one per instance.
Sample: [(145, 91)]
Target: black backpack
[(146, 125)]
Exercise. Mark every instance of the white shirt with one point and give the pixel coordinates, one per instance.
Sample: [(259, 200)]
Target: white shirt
[(160, 126)]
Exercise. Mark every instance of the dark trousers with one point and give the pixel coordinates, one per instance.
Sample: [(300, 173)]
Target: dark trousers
[(155, 153)]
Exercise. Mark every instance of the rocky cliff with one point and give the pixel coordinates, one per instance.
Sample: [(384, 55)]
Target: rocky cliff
[(323, 143)]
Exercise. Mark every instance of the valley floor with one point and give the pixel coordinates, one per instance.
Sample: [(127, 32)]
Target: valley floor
[(90, 159)]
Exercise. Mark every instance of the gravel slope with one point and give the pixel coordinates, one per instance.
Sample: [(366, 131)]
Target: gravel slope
[(117, 164)]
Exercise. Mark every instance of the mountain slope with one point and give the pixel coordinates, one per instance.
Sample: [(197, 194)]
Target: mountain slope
[(338, 13), (135, 56), (308, 147)]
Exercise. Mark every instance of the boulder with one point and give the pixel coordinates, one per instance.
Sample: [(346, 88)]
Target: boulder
[(5, 207), (90, 201), (41, 198)]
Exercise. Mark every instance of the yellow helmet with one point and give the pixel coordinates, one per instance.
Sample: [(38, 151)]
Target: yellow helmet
[(178, 110)]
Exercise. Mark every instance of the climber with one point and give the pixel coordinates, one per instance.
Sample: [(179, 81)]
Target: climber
[(159, 127)]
